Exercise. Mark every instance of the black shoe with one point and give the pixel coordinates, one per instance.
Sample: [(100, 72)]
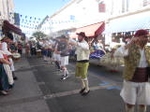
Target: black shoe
[(15, 78), (11, 86), (85, 93), (81, 91)]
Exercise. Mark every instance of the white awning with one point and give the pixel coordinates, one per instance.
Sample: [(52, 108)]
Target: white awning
[(129, 23)]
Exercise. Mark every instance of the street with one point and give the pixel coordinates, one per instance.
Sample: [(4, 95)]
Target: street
[(63, 96), (40, 89)]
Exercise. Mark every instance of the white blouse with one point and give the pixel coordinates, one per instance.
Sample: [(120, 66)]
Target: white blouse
[(124, 52), (1, 54)]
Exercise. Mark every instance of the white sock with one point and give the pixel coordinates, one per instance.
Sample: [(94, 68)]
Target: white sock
[(44, 58), (82, 83), (86, 82), (141, 109), (64, 72), (67, 72), (129, 109)]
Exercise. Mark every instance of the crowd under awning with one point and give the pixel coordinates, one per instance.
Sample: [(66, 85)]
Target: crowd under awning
[(7, 27), (92, 30), (129, 23)]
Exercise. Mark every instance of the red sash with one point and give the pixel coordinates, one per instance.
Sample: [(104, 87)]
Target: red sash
[(140, 75)]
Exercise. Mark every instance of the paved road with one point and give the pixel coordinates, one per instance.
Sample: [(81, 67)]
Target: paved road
[(63, 96), (39, 89)]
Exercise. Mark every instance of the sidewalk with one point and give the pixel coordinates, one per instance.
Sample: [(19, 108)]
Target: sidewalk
[(26, 95)]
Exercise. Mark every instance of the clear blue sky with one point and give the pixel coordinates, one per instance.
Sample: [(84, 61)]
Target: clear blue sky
[(38, 8)]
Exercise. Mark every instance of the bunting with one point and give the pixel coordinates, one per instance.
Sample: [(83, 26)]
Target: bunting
[(27, 21), (30, 23)]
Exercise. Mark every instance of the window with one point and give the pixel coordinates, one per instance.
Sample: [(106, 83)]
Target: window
[(146, 2), (101, 7)]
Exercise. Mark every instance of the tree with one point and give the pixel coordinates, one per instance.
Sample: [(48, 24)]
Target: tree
[(39, 35)]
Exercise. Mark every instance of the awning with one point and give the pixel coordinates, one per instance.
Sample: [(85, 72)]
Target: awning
[(129, 23), (92, 30), (10, 27), (100, 29)]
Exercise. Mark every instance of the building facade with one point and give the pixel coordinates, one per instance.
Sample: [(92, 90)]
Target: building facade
[(124, 20), (121, 17), (6, 12), (75, 14), (9, 20)]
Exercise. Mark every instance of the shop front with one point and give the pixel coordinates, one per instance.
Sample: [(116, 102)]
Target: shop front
[(122, 27)]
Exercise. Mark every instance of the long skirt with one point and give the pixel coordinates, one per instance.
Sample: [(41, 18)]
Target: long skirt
[(9, 74), (4, 85)]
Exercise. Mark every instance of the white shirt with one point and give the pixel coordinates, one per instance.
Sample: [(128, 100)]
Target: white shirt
[(82, 50), (5, 48), (1, 54), (124, 52)]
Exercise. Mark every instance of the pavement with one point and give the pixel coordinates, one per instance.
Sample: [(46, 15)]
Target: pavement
[(26, 95), (39, 89)]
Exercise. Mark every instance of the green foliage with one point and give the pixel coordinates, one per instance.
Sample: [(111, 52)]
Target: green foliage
[(39, 35)]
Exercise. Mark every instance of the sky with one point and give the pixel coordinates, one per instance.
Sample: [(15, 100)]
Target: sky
[(32, 12), (38, 8)]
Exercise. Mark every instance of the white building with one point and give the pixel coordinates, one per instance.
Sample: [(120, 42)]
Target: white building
[(7, 19), (120, 17), (75, 14), (129, 16), (6, 11)]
